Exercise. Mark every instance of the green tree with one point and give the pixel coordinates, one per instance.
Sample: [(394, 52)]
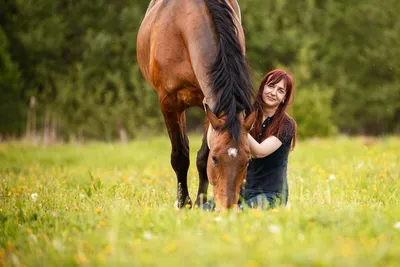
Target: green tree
[(11, 109)]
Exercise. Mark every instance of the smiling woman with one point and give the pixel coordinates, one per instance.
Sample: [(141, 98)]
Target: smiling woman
[(270, 140)]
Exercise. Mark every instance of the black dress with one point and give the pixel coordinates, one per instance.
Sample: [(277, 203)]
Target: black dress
[(266, 180)]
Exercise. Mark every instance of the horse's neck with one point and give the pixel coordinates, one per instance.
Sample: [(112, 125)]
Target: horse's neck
[(210, 98), (236, 8), (152, 3)]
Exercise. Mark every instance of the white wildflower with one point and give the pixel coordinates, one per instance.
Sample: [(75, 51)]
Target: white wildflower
[(331, 177), (34, 197), (274, 228), (300, 237), (58, 245), (218, 219), (15, 260), (147, 235), (397, 225), (34, 238), (176, 205)]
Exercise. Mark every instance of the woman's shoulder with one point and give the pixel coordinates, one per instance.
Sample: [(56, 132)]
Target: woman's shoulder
[(289, 122), (287, 129)]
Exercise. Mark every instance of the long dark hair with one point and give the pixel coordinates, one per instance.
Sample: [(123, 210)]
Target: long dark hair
[(230, 75), (277, 125)]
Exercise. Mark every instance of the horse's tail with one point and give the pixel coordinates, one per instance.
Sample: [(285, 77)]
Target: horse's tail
[(230, 75)]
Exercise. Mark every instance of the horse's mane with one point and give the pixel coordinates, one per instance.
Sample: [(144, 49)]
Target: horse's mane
[(230, 75)]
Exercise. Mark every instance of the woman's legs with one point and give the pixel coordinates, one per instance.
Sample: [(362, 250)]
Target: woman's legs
[(255, 201), (209, 205), (265, 200)]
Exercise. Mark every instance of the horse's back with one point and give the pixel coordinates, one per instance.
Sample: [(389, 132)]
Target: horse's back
[(176, 45)]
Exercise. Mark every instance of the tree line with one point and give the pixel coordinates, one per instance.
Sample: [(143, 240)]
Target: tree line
[(68, 69)]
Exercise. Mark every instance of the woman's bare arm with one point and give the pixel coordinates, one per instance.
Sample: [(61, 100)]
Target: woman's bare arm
[(268, 146)]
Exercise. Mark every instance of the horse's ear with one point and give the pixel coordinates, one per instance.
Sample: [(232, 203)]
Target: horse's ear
[(248, 122), (215, 122)]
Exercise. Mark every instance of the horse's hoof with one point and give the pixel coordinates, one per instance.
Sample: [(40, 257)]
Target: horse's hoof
[(188, 205)]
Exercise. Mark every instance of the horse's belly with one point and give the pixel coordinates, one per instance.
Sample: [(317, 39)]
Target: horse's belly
[(170, 67), (190, 97), (175, 56)]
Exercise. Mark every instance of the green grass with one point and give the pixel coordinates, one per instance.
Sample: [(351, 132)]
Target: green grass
[(112, 204)]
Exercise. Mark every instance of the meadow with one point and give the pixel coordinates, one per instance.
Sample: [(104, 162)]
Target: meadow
[(101, 204)]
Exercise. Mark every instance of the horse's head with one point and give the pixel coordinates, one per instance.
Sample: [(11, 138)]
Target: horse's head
[(227, 160)]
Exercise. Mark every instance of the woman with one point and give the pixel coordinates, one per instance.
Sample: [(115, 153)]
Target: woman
[(272, 138)]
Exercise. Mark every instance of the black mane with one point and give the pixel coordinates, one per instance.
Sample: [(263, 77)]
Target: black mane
[(230, 75)]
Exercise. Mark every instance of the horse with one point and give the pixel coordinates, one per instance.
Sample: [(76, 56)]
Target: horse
[(192, 52)]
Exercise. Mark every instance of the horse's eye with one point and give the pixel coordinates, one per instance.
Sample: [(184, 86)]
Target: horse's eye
[(214, 160)]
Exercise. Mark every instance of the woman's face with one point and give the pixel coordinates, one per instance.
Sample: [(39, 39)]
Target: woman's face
[(274, 94)]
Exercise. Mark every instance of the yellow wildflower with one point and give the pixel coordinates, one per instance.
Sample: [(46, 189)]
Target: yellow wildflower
[(81, 259), (170, 248)]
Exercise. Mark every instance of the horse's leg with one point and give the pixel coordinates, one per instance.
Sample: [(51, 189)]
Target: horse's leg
[(176, 124), (202, 156)]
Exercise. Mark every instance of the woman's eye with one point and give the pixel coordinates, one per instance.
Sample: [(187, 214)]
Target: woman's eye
[(281, 91), (214, 160)]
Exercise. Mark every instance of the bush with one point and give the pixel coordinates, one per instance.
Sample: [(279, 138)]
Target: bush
[(312, 111)]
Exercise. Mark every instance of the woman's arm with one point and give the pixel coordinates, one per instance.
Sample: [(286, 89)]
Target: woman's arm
[(268, 146)]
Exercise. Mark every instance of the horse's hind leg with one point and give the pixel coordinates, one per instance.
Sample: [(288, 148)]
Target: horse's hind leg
[(202, 157), (175, 121)]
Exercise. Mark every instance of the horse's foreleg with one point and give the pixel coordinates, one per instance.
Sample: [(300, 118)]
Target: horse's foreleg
[(176, 125), (202, 156)]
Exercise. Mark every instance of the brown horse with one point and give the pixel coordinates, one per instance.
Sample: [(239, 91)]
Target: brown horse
[(192, 51)]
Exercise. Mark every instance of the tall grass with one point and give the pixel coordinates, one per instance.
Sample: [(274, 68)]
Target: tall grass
[(112, 205)]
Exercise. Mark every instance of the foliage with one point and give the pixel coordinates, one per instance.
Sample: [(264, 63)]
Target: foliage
[(78, 59), (350, 48), (11, 109), (313, 113), (110, 204)]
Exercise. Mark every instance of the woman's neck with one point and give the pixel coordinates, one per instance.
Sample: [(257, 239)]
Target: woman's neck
[(268, 112)]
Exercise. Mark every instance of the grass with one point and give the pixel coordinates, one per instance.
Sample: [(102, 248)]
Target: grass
[(110, 204)]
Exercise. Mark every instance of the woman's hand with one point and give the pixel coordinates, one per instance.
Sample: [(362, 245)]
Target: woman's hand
[(267, 147)]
